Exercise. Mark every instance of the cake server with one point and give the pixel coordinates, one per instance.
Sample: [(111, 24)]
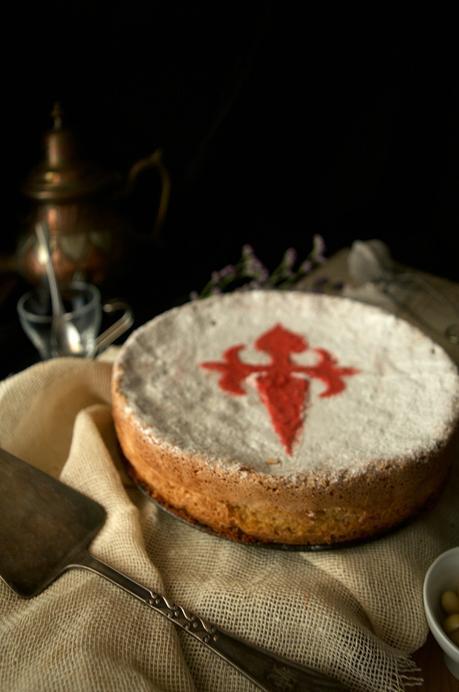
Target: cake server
[(47, 528)]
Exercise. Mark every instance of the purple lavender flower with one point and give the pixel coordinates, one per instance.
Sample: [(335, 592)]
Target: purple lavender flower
[(250, 273), (289, 259), (318, 249), (305, 267), (252, 267), (247, 251), (228, 271)]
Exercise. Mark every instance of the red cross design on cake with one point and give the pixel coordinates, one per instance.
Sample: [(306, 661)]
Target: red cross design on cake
[(282, 384)]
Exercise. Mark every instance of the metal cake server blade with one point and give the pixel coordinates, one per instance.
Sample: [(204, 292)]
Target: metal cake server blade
[(46, 527)]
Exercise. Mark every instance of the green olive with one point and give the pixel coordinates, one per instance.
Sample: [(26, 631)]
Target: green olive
[(454, 636), (451, 624), (450, 602)]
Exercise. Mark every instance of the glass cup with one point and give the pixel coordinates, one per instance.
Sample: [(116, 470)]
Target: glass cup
[(83, 315)]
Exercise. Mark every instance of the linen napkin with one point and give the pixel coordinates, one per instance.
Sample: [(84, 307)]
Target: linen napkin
[(429, 302), (354, 613)]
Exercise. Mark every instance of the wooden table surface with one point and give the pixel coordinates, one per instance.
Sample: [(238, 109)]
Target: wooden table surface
[(437, 677)]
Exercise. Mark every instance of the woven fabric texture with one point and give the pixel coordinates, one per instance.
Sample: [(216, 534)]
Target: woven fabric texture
[(354, 613)]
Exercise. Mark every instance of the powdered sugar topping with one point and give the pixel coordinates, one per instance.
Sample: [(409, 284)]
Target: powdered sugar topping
[(402, 402)]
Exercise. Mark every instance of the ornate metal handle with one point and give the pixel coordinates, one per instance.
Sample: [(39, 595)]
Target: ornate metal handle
[(268, 671), (121, 325), (155, 160)]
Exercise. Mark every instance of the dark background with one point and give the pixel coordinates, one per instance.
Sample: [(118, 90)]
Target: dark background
[(277, 122)]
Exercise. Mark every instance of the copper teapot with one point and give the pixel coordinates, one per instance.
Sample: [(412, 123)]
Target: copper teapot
[(78, 201)]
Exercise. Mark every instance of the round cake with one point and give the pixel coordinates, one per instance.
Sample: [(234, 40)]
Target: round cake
[(286, 417)]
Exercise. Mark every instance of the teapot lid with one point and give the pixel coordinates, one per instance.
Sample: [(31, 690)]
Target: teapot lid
[(63, 175)]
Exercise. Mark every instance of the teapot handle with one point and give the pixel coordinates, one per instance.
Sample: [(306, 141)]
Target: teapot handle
[(154, 160)]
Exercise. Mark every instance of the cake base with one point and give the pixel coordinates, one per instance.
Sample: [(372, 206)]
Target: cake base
[(237, 536)]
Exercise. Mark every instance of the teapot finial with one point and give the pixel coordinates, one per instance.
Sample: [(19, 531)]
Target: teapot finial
[(56, 115)]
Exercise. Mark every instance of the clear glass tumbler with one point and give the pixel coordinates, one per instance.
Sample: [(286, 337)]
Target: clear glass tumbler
[(83, 310)]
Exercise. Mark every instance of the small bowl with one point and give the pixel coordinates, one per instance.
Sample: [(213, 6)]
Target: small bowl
[(442, 575)]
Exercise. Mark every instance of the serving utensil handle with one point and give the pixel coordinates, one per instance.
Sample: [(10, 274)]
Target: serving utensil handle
[(270, 672)]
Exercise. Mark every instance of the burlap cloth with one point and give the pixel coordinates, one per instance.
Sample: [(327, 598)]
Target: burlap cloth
[(356, 613)]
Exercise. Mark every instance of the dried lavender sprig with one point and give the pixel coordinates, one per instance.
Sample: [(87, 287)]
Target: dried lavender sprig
[(250, 266), (318, 249), (284, 277), (250, 273), (284, 271), (218, 280)]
